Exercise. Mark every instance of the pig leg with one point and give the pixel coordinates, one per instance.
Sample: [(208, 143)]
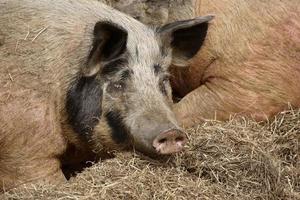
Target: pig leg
[(219, 99), (196, 106)]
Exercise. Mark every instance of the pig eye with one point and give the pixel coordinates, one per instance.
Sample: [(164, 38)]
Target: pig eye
[(117, 86)]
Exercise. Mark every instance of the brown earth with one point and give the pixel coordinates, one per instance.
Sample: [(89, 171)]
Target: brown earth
[(239, 159)]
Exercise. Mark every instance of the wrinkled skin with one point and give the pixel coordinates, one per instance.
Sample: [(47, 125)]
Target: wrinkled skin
[(249, 64), (79, 80)]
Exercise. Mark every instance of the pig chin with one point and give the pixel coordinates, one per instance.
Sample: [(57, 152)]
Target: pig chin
[(145, 148)]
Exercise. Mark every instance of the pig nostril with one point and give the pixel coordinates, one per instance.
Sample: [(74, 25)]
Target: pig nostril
[(169, 142), (161, 141)]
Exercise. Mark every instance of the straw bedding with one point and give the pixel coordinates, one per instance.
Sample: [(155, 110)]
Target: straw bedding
[(238, 159)]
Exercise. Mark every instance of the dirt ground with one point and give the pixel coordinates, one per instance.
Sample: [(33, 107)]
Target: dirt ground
[(239, 159)]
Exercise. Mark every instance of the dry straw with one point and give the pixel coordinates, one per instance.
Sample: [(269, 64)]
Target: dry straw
[(239, 159)]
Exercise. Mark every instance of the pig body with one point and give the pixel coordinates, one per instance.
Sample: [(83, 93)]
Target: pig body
[(78, 79), (249, 64), (39, 59)]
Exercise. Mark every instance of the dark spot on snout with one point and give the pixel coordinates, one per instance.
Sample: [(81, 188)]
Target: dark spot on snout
[(119, 131), (83, 105)]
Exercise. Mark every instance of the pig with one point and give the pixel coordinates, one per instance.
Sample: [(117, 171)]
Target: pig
[(80, 80), (249, 64)]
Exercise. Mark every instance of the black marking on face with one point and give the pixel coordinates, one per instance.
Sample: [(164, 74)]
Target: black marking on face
[(83, 105), (119, 132), (113, 67)]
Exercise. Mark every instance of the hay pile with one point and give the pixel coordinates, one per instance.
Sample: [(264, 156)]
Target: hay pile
[(239, 159)]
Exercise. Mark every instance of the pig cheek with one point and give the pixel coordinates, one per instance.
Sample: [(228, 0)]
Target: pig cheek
[(102, 138)]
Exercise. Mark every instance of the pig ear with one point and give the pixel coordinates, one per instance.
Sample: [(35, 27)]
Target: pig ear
[(185, 37), (109, 42)]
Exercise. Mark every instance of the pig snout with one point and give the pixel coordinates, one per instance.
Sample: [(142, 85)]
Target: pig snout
[(155, 137), (169, 142)]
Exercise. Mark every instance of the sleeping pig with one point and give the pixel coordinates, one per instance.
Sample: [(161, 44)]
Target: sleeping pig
[(79, 78)]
